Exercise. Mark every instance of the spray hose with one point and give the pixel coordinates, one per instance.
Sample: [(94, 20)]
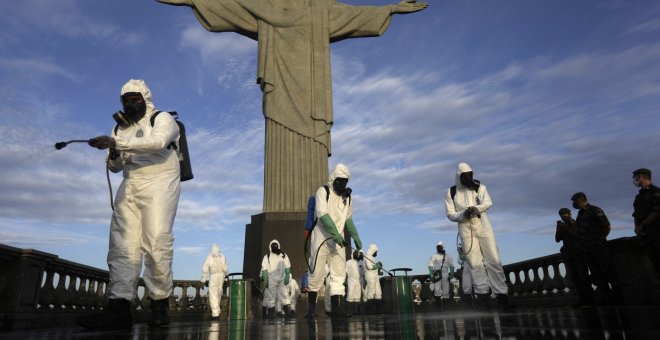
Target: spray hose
[(458, 237), (316, 257), (62, 145)]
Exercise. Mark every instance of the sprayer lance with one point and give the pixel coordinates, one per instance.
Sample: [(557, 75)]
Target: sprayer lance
[(61, 145)]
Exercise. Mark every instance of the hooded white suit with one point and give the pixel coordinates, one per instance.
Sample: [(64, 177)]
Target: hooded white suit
[(371, 274), (145, 204), (333, 255), (354, 281), (215, 267), (442, 262), (477, 235), (276, 266)]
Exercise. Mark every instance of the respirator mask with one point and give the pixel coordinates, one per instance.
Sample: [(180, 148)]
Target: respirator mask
[(468, 181), (339, 186), (440, 249), (134, 106), (357, 256), (275, 249)]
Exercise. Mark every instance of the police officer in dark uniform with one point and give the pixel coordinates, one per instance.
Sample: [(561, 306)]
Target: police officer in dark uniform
[(567, 233), (647, 214), (593, 228)]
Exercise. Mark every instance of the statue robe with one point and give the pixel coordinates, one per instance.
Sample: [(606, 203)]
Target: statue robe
[(294, 39)]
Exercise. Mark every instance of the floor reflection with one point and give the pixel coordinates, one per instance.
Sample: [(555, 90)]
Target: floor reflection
[(641, 322)]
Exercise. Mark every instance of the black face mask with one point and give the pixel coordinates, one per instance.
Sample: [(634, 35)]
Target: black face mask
[(356, 256), (275, 249), (134, 105), (440, 249), (468, 181), (339, 185), (375, 254)]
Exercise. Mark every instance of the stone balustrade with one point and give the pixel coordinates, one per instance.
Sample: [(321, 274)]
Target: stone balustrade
[(39, 289)]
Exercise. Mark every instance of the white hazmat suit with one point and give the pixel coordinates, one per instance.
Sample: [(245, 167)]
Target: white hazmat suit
[(477, 235), (278, 267), (145, 204), (340, 210), (441, 262), (354, 281), (466, 276), (371, 274), (215, 267)]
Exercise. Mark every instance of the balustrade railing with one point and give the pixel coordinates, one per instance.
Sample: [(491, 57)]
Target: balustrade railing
[(39, 289)]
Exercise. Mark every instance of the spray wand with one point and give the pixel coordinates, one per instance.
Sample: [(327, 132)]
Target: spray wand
[(61, 145)]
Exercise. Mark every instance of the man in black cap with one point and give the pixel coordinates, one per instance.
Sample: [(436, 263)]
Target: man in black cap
[(593, 228), (647, 214), (567, 233)]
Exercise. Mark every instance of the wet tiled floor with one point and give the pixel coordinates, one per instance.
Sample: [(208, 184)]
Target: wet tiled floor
[(634, 322)]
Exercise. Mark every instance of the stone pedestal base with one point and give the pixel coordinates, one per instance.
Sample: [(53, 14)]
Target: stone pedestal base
[(286, 227)]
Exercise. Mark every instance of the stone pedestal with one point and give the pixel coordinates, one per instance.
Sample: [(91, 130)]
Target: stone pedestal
[(286, 227)]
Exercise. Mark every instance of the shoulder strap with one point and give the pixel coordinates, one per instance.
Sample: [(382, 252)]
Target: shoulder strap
[(452, 192), (116, 128), (153, 117), (327, 193)]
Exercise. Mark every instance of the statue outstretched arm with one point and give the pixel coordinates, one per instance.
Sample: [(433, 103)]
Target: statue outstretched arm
[(408, 6), (177, 2)]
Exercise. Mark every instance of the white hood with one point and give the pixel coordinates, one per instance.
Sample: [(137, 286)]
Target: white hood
[(462, 167), (340, 171), (276, 242), (138, 85), (372, 249), (215, 249)]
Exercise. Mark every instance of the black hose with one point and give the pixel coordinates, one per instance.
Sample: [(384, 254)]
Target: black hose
[(107, 176), (317, 254)]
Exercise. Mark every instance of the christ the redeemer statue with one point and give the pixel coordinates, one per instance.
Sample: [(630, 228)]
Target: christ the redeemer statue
[(294, 39)]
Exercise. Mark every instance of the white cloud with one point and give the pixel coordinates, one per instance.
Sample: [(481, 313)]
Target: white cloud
[(65, 17), (212, 46)]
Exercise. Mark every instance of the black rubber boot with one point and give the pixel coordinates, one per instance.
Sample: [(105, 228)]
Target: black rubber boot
[(438, 304), (481, 302), (160, 313), (378, 306), (311, 309), (503, 302), (115, 316), (338, 307), (288, 313)]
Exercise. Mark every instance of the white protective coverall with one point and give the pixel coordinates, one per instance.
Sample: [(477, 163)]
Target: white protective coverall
[(333, 255), (354, 281), (294, 294), (466, 276), (441, 288), (215, 267), (477, 235), (371, 274), (145, 204), (276, 266)]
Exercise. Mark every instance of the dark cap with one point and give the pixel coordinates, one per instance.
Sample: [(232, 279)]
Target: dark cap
[(578, 195), (564, 211), (642, 171)]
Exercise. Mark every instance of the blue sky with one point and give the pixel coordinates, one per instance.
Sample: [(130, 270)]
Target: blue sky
[(542, 98)]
